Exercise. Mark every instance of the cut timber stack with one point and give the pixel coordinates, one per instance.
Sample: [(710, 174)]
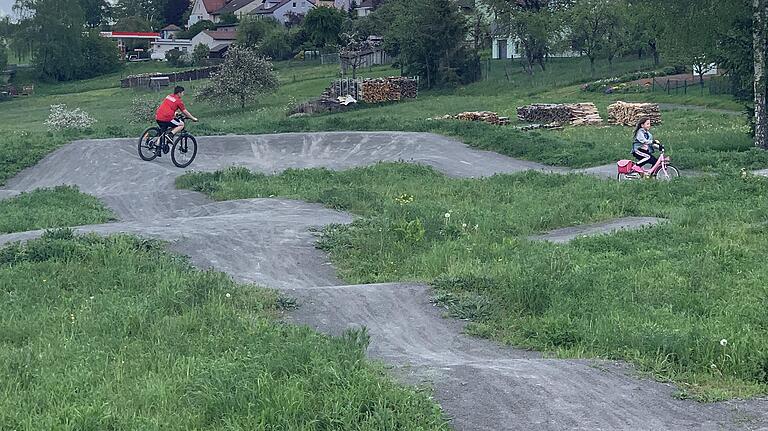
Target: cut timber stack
[(378, 90), (576, 114), (628, 114), (482, 116)]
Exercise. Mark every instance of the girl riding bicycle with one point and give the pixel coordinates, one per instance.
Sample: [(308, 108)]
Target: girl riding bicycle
[(644, 144)]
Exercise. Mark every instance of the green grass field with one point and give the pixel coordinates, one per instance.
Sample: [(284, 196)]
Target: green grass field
[(111, 333), (51, 208), (662, 298), (696, 140)]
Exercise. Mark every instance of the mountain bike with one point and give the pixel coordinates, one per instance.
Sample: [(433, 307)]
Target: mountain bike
[(661, 170), (155, 142)]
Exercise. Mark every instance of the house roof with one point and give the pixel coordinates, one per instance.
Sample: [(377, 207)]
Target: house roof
[(366, 4), (221, 35), (233, 6), (220, 47), (172, 27), (212, 6), (263, 9)]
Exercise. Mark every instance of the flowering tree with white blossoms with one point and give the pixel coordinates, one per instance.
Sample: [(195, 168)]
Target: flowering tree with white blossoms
[(61, 118), (244, 76)]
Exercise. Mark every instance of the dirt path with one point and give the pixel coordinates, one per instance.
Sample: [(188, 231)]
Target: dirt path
[(481, 385)]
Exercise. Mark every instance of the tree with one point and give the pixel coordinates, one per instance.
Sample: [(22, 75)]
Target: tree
[(243, 77), (58, 31), (323, 26), (276, 46), (594, 26), (200, 55), (352, 52), (428, 38), (760, 46), (99, 56), (173, 11), (96, 12), (228, 19), (686, 38), (3, 56), (252, 31), (150, 10), (534, 22), (196, 28)]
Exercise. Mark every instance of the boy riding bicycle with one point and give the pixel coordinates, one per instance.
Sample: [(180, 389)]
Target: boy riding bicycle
[(166, 112)]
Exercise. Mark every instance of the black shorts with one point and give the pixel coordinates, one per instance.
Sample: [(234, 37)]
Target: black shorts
[(169, 124)]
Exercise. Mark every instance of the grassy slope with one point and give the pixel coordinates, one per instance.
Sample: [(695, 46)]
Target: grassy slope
[(51, 208), (692, 136), (662, 298), (114, 334)]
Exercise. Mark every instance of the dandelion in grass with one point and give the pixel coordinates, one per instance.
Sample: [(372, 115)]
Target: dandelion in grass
[(447, 215), (228, 295), (723, 342), (464, 225), (404, 199)]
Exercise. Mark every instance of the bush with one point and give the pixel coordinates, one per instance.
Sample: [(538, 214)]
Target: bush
[(200, 55), (176, 58), (61, 118), (275, 46), (196, 28), (141, 110)]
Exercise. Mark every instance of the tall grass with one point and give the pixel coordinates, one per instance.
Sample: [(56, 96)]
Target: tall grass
[(113, 333), (51, 208), (662, 297)]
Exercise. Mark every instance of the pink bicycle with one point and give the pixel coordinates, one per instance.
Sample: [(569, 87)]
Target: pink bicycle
[(662, 170)]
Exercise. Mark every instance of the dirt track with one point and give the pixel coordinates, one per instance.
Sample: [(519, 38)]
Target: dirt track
[(481, 385)]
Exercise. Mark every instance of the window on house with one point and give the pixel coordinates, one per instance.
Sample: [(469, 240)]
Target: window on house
[(294, 4), (184, 48)]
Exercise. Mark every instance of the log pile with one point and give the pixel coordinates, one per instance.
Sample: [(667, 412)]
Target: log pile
[(481, 116), (378, 90), (576, 114), (628, 114)]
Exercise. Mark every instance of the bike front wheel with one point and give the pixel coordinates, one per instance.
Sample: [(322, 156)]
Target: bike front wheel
[(184, 150), (667, 174), (148, 142)]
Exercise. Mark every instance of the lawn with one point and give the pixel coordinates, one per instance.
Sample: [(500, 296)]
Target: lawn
[(51, 208), (696, 140), (112, 333), (662, 298)]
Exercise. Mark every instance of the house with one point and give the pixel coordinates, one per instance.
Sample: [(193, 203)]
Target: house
[(169, 32), (122, 37), (217, 41), (160, 47), (506, 46), (280, 10), (338, 4), (203, 10), (239, 8)]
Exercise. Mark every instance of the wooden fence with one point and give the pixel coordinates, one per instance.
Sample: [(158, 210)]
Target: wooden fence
[(144, 81)]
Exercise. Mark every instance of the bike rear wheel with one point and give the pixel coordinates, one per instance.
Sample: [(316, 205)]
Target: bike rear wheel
[(148, 142), (670, 173), (184, 150)]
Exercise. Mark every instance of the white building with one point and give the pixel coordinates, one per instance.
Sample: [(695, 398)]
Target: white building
[(216, 41), (279, 9), (161, 46), (239, 8), (203, 10)]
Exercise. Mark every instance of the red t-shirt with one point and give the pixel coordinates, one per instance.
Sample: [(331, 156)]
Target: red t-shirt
[(168, 108)]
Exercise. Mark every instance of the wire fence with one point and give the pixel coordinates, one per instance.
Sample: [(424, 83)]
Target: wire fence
[(712, 86)]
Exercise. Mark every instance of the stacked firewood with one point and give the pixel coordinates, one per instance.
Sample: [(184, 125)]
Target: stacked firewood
[(576, 114), (481, 116), (628, 114), (379, 90)]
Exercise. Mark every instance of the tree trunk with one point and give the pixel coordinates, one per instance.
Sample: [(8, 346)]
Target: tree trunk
[(591, 65), (759, 46), (655, 52)]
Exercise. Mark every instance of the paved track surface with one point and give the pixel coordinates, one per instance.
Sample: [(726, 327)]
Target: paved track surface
[(481, 385)]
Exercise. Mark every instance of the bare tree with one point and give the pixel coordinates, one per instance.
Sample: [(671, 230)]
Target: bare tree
[(353, 52)]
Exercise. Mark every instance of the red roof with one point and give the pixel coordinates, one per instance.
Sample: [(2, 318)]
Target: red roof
[(213, 5), (133, 34)]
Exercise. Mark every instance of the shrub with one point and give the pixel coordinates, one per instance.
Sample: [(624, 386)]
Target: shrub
[(141, 110), (61, 118), (176, 58), (200, 55)]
